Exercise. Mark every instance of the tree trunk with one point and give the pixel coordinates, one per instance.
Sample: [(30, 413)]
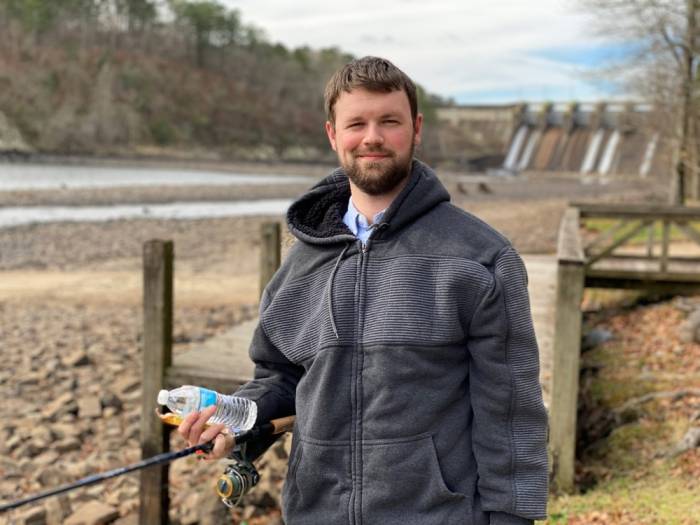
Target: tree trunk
[(684, 167)]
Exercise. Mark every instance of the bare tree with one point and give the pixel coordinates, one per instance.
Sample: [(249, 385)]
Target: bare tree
[(663, 69)]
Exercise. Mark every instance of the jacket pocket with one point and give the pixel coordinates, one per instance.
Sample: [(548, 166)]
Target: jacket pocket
[(317, 488), (402, 484)]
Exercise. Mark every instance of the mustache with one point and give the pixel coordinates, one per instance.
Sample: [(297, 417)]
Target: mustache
[(369, 151)]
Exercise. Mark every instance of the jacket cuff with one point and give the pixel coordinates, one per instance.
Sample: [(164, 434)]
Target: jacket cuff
[(501, 518)]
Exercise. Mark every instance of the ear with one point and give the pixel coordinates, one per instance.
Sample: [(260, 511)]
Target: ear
[(417, 129), (330, 131)]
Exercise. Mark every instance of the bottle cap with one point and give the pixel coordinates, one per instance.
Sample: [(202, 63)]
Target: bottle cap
[(163, 397)]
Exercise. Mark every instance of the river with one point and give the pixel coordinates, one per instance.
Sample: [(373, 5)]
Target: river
[(27, 177), (15, 177)]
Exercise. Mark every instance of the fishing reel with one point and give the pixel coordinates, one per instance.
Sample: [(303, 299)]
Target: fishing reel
[(236, 481)]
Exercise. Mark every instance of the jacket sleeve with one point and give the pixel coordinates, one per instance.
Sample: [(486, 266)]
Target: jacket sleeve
[(509, 432), (274, 383)]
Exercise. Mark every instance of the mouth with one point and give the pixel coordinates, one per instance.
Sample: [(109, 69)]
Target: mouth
[(373, 156)]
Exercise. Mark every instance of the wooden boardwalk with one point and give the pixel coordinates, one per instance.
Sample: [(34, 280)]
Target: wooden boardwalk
[(223, 360)]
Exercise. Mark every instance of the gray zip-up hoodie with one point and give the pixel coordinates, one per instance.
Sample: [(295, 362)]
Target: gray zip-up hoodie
[(410, 363)]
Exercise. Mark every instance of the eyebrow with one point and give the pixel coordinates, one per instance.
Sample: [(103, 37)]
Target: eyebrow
[(359, 118)]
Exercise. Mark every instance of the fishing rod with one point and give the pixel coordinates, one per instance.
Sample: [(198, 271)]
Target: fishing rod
[(240, 482)]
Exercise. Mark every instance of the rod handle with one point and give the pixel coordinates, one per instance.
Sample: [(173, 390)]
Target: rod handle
[(282, 425)]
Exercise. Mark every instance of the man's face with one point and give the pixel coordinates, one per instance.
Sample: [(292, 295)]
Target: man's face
[(374, 137)]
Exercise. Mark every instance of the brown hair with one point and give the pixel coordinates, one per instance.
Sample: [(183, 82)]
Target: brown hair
[(373, 74)]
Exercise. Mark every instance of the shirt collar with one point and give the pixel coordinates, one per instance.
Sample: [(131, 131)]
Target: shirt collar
[(357, 222)]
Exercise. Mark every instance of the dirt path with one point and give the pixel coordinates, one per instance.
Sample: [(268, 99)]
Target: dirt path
[(124, 287)]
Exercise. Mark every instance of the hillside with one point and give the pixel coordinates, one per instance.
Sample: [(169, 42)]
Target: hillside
[(130, 77)]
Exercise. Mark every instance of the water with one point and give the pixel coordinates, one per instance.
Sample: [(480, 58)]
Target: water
[(529, 149), (592, 152), (512, 157), (53, 177), (609, 153), (236, 413), (21, 215), (645, 168)]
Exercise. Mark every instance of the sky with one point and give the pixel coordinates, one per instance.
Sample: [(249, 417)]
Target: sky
[(473, 51)]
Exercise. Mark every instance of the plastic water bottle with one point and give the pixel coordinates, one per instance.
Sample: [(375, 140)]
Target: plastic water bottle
[(237, 413)]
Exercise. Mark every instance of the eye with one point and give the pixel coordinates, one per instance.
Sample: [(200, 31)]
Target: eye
[(391, 121)]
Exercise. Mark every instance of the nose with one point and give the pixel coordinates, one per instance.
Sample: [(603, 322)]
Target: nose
[(373, 136)]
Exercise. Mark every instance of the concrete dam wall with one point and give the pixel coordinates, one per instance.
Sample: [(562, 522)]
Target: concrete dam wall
[(604, 139)]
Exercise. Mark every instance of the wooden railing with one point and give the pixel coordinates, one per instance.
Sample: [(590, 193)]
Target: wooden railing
[(614, 258), (637, 251)]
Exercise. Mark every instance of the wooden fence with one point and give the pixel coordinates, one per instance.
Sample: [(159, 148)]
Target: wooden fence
[(158, 258)]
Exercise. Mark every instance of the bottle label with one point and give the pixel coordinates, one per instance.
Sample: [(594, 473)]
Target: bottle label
[(206, 398)]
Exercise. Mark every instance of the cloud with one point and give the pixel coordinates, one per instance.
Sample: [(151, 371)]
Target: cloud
[(451, 47)]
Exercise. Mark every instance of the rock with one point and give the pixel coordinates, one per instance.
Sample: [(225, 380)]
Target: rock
[(51, 476), (129, 506), (63, 430), (62, 404), (77, 358), (92, 513), (190, 509), (690, 440), (689, 330), (111, 400), (78, 469), (13, 442), (47, 458), (684, 304), (484, 188), (89, 407), (129, 519), (57, 509), (35, 516), (594, 338), (29, 378), (126, 384), (67, 445), (32, 449)]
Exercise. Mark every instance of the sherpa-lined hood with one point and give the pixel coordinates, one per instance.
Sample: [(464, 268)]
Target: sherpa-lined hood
[(317, 217)]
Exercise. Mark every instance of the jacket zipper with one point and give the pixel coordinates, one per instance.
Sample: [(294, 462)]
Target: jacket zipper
[(356, 442)]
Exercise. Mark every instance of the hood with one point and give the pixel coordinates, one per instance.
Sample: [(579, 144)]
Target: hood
[(317, 216)]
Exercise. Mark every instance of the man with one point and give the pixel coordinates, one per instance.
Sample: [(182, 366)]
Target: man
[(398, 330)]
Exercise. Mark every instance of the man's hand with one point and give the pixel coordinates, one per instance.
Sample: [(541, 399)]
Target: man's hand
[(193, 430)]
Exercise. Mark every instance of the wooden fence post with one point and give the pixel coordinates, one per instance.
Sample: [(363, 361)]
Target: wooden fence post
[(270, 252), (157, 357), (567, 349)]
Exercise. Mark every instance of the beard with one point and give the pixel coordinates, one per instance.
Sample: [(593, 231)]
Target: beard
[(378, 178)]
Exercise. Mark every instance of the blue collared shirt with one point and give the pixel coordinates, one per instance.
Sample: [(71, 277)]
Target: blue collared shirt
[(358, 223)]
